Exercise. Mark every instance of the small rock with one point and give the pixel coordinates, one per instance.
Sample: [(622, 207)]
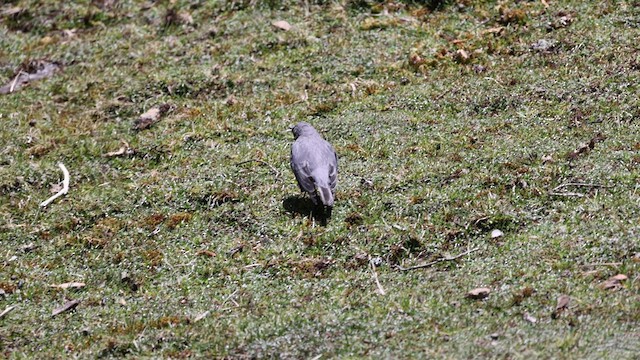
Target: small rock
[(28, 247), (461, 56), (478, 293), (282, 25), (377, 261), (366, 183), (495, 233), (530, 318), (544, 45), (479, 68)]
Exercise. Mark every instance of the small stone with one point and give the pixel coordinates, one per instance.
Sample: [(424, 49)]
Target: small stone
[(479, 68), (479, 293), (377, 261), (544, 45)]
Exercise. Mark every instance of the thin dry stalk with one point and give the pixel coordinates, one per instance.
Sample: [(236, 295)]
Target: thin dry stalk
[(65, 186), (448, 258), (375, 277)]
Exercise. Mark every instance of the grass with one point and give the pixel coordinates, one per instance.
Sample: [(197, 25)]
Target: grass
[(450, 121)]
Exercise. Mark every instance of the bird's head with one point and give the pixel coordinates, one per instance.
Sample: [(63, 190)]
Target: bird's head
[(303, 129)]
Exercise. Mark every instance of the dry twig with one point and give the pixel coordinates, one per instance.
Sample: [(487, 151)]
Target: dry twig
[(65, 186), (556, 190), (125, 149), (7, 310), (15, 81), (68, 306), (581, 185), (566, 194), (431, 263), (375, 277), (614, 264)]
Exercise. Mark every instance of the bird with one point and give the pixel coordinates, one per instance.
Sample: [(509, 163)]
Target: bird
[(315, 164)]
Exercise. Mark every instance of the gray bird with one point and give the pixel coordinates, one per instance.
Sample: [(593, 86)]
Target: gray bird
[(315, 164)]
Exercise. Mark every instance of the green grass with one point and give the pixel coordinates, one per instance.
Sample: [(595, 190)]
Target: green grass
[(188, 252)]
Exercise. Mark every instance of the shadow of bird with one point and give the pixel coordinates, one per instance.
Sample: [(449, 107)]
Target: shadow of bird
[(304, 206)]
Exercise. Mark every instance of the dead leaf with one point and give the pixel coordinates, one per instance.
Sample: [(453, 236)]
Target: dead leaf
[(614, 282), (528, 292), (11, 11), (28, 72), (122, 301), (69, 285), (235, 250), (69, 33), (596, 139), (282, 25), (185, 18), (125, 149), (415, 60), (544, 45), (530, 318), (201, 316), (146, 119), (479, 68), (563, 20), (47, 40), (591, 273), (28, 247), (7, 310), (494, 30), (563, 302), (547, 159), (151, 117), (231, 100), (619, 277), (69, 305), (461, 56), (520, 296), (511, 16), (479, 293), (562, 305), (175, 17), (585, 148), (104, 4), (208, 253)]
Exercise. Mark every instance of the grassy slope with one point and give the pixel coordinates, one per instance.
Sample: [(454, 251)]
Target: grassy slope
[(452, 152)]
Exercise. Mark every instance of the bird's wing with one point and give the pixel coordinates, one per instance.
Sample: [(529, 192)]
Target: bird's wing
[(333, 170), (300, 167)]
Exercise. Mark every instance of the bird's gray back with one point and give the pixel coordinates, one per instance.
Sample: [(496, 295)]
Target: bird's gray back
[(312, 156)]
